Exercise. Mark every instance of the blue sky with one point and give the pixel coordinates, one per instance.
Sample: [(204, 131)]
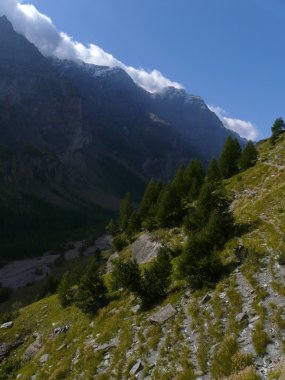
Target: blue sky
[(230, 52)]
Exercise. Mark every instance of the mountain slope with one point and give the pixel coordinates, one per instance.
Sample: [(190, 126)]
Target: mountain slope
[(237, 330)]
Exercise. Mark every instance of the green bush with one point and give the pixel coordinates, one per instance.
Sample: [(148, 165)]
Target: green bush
[(120, 242)]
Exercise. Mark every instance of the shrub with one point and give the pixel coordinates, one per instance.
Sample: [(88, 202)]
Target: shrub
[(120, 241), (126, 274), (92, 292), (156, 279), (222, 362), (260, 339), (248, 373), (241, 360)]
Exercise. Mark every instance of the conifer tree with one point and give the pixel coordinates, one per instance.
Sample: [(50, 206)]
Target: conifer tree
[(214, 174), (126, 210), (92, 293), (193, 179), (133, 224), (111, 227), (230, 157), (65, 292), (126, 274), (249, 156), (199, 263), (149, 204), (277, 128), (168, 210), (156, 278)]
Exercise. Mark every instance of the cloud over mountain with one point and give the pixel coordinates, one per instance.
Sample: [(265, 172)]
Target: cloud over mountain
[(243, 128), (39, 29)]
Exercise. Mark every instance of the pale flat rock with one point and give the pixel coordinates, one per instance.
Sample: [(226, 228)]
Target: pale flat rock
[(137, 367), (163, 314), (32, 350), (144, 249), (7, 325), (110, 262)]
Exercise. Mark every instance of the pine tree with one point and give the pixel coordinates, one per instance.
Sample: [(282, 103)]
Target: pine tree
[(156, 279), (149, 204), (199, 264), (92, 293), (230, 157), (126, 274), (126, 210), (248, 157), (168, 210), (193, 179), (65, 292), (111, 227), (133, 224), (214, 174), (277, 128)]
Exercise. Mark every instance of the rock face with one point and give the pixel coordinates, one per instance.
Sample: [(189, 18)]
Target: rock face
[(163, 314), (144, 249), (83, 124)]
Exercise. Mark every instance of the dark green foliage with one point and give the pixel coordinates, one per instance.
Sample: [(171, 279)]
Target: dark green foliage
[(212, 197), (92, 293), (5, 293), (111, 227), (30, 226), (193, 179), (277, 128), (65, 291), (169, 210), (126, 274), (230, 157), (120, 241), (126, 210), (213, 223), (214, 173), (50, 287), (9, 368), (199, 263), (148, 206), (150, 284), (248, 157), (133, 224), (156, 279)]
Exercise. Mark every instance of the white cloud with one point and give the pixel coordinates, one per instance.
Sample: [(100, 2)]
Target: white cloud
[(243, 128), (39, 29)]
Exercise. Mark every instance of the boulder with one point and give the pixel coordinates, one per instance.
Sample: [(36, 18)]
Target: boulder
[(137, 367), (7, 325), (135, 308), (205, 299), (32, 350), (44, 358), (4, 350), (241, 317), (144, 249), (112, 258), (163, 314)]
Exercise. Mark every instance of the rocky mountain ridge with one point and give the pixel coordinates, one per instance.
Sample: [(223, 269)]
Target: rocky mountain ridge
[(96, 120)]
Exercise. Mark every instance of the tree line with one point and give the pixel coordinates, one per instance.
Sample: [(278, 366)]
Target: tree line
[(194, 200)]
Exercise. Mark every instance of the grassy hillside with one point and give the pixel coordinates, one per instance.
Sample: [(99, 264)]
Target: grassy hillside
[(237, 332)]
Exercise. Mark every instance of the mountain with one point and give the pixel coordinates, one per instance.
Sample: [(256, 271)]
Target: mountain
[(74, 133), (234, 330)]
